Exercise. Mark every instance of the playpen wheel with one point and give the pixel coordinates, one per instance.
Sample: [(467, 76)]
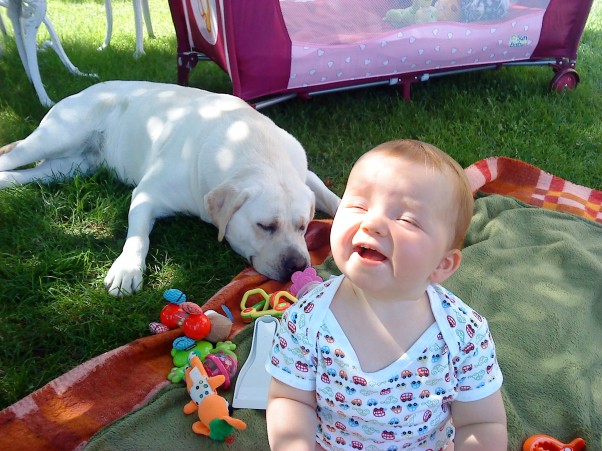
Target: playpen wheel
[(565, 80)]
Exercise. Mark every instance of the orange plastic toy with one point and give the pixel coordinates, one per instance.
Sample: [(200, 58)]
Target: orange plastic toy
[(542, 442), (214, 419)]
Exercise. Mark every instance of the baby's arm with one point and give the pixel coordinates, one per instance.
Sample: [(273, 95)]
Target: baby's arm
[(291, 418), (480, 424)]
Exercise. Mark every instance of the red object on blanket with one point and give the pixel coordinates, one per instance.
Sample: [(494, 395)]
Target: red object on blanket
[(542, 442), (65, 413)]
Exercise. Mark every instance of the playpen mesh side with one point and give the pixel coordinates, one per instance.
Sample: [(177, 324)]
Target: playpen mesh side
[(335, 22), (334, 41)]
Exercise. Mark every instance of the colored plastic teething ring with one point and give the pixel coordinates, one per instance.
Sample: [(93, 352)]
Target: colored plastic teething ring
[(219, 368), (281, 306), (262, 308)]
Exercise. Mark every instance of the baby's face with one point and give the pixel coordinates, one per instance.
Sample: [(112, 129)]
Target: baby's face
[(394, 226)]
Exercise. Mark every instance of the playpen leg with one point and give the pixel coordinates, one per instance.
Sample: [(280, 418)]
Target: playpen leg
[(566, 77), (405, 87), (186, 62), (183, 75)]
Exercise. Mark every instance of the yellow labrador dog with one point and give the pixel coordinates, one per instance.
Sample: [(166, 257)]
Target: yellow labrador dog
[(188, 151)]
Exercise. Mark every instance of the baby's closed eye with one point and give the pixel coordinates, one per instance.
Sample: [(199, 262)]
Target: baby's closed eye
[(408, 221)]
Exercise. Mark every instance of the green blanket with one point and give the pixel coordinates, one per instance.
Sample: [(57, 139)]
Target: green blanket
[(537, 277)]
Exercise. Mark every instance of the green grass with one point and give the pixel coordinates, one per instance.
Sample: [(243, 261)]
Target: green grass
[(57, 242)]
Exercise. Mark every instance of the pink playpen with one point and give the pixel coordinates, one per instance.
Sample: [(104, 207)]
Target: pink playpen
[(277, 49)]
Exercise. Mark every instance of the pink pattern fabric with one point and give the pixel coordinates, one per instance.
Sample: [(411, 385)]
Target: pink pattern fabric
[(328, 48)]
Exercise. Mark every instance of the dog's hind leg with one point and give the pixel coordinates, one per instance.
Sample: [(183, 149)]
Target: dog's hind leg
[(46, 171), (61, 148), (9, 158), (61, 134), (24, 152), (8, 147)]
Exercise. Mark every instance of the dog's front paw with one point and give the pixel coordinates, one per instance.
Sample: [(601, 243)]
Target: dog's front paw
[(125, 276)]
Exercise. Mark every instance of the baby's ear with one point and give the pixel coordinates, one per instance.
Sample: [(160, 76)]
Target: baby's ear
[(447, 266)]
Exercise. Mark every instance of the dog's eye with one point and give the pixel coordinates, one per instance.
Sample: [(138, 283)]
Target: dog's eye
[(269, 228)]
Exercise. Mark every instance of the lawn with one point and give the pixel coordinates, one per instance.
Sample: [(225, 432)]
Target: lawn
[(57, 242)]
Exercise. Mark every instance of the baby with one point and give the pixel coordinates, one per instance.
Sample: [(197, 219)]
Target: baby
[(383, 357)]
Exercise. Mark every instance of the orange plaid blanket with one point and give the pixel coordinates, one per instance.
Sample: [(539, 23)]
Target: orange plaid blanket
[(500, 175), (65, 413)]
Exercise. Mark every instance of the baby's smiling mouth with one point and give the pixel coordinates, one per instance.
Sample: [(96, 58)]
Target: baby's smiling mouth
[(369, 254)]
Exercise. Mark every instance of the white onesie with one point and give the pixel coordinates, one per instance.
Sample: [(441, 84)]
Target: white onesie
[(403, 406)]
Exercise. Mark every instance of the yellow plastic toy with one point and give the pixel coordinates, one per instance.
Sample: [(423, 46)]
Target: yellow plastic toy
[(273, 305)]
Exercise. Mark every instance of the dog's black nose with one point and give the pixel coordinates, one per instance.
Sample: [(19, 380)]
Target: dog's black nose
[(294, 263)]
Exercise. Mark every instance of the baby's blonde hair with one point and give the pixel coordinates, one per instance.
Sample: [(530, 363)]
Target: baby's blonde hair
[(421, 152)]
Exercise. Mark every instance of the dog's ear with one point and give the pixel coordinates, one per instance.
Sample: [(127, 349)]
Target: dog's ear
[(222, 202)]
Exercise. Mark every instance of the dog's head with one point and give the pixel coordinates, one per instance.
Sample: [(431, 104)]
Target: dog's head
[(265, 223)]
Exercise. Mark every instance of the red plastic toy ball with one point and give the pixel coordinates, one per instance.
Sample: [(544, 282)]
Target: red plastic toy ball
[(197, 326), (172, 315)]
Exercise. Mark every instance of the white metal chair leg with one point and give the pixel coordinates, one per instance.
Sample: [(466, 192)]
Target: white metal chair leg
[(147, 18), (109, 33), (14, 9), (2, 27), (141, 17), (56, 45), (139, 28), (2, 30), (31, 13), (26, 17)]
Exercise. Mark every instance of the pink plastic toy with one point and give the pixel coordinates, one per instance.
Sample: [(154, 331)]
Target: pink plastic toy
[(303, 281), (221, 363)]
